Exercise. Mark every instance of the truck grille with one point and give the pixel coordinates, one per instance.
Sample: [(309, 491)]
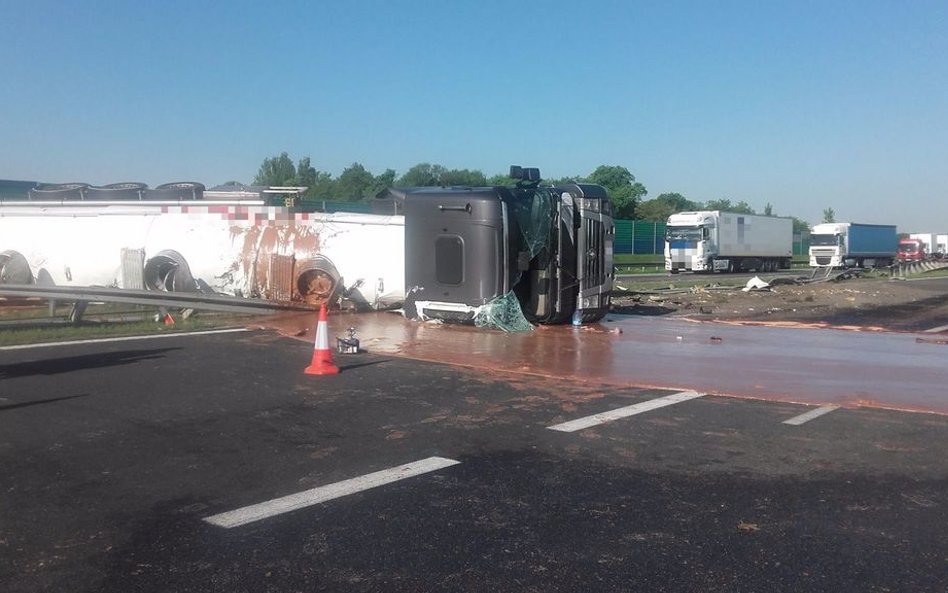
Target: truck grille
[(594, 256)]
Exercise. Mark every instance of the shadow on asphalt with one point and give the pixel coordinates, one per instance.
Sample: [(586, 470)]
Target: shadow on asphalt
[(68, 364), (52, 400), (346, 367)]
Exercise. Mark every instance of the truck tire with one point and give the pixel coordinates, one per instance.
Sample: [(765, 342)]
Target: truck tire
[(14, 269), (168, 271), (318, 281)]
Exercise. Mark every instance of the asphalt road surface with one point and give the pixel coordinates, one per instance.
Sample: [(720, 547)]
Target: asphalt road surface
[(212, 463)]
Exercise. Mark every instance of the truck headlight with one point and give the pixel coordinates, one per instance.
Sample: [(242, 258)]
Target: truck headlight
[(590, 302), (593, 205)]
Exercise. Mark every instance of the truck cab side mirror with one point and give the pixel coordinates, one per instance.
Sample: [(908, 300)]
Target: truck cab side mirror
[(528, 174)]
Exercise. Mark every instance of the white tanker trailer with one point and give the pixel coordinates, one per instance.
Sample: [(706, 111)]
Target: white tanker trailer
[(235, 247)]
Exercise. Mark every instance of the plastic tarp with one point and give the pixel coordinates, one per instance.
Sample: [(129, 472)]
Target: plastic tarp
[(502, 313), (756, 283)]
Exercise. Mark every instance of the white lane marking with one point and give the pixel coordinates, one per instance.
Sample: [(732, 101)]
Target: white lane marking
[(292, 502), (807, 416), (123, 339), (603, 417)]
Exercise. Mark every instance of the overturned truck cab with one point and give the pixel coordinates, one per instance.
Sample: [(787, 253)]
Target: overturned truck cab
[(486, 254)]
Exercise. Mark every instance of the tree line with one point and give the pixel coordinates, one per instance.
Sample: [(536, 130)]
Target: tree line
[(356, 184)]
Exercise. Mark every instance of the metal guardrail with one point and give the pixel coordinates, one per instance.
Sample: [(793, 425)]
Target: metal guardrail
[(903, 269), (183, 300)]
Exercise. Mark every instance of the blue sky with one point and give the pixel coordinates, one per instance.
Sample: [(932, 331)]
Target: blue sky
[(804, 104)]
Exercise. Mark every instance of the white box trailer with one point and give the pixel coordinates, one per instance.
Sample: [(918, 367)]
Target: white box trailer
[(929, 240), (711, 240)]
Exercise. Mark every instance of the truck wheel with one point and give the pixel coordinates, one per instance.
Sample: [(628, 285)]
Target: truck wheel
[(168, 271), (14, 269), (317, 281)]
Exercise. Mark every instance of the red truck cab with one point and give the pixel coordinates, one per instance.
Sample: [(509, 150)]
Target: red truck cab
[(911, 250)]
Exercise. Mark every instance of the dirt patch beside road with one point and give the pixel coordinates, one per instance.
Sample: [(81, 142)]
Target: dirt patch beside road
[(854, 303)]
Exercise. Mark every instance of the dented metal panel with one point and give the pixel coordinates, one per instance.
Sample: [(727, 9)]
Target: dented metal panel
[(133, 263), (280, 278)]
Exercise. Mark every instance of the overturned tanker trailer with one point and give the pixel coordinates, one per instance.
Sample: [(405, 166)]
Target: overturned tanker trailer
[(179, 238), (498, 256)]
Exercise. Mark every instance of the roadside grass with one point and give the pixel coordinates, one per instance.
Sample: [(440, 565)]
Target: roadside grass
[(941, 273), (689, 282), (32, 325), (630, 263)]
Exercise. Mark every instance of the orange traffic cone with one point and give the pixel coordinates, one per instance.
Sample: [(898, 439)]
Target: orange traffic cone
[(322, 355)]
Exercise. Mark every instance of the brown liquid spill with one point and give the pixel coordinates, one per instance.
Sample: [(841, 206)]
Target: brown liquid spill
[(258, 242), (811, 366)]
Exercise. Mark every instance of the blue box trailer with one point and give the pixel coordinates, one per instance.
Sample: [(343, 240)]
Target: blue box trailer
[(853, 244)]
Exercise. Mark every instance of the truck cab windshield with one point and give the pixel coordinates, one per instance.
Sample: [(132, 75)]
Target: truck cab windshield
[(824, 240), (533, 210), (682, 233)]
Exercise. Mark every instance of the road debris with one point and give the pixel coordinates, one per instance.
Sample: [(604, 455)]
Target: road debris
[(756, 283)]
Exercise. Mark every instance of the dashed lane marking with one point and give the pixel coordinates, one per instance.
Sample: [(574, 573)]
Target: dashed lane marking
[(807, 416), (123, 339), (603, 417), (300, 500)]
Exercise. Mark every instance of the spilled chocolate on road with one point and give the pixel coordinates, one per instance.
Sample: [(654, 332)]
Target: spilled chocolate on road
[(811, 366)]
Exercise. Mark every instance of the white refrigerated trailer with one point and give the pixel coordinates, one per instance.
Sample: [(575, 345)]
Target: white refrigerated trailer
[(711, 240)]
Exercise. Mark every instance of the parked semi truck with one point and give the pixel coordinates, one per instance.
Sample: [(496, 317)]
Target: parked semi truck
[(911, 249), (457, 251), (927, 245), (852, 244), (711, 240)]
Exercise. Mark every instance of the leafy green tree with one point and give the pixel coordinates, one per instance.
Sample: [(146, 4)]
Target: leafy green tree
[(829, 215), (323, 187), (624, 191), (354, 184), (800, 225), (769, 210), (743, 207), (725, 205), (277, 170), (500, 179), (305, 173), (422, 175), (720, 204), (564, 180), (653, 211), (463, 177), (383, 181), (660, 208)]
